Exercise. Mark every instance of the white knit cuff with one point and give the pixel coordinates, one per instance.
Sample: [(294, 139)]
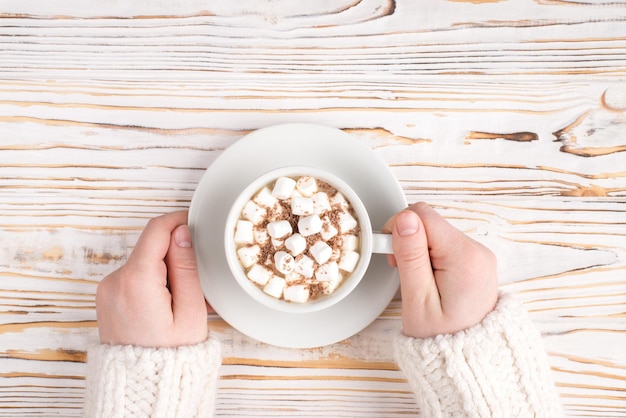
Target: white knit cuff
[(497, 368), (134, 381)]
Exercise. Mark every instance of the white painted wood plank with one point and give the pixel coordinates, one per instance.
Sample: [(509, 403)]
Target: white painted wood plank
[(502, 115)]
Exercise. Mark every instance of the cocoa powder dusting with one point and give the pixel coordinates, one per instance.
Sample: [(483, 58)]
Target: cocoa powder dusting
[(267, 254), (322, 186), (316, 290), (333, 215), (312, 239), (335, 242)]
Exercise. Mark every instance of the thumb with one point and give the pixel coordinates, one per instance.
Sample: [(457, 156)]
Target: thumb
[(410, 247), (182, 274)]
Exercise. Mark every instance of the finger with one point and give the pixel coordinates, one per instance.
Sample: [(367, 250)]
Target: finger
[(209, 308), (388, 226), (154, 242), (420, 297), (188, 302), (410, 247), (447, 245)]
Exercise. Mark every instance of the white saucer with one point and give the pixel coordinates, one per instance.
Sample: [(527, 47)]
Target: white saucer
[(261, 151)]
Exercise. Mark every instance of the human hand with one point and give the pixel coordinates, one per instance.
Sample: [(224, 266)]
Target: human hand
[(155, 299), (448, 281)]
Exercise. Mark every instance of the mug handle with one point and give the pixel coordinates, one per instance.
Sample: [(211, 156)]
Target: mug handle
[(381, 243)]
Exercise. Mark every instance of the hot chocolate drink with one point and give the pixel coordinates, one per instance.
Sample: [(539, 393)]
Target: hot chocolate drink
[(298, 238)]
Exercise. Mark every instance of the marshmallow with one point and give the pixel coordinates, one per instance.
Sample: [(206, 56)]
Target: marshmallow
[(259, 274), (284, 262), (350, 242), (243, 232), (283, 187), (304, 266), (296, 193), (265, 198), (330, 287), (295, 244), (277, 243), (276, 213), (297, 293), (253, 212), (279, 229), (328, 272), (348, 261), (328, 230), (249, 255), (261, 236), (306, 185), (321, 204), (293, 277), (301, 206), (275, 286), (309, 225), (321, 252), (346, 222), (339, 199)]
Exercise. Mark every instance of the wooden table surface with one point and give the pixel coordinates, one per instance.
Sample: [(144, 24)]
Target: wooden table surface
[(509, 117)]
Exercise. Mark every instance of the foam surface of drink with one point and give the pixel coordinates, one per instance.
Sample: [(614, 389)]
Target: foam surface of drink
[(297, 238)]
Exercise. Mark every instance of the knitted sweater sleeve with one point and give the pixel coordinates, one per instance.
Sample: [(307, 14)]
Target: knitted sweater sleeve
[(497, 368), (134, 381)]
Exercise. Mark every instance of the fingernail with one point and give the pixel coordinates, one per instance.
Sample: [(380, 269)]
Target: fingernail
[(182, 236), (407, 223)]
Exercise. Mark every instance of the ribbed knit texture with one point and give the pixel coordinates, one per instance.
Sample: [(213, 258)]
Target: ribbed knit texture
[(496, 369), (125, 381)]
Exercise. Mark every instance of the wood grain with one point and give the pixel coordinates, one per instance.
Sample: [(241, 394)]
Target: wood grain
[(508, 117)]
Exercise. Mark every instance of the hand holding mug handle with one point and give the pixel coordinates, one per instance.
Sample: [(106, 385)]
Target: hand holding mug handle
[(448, 280)]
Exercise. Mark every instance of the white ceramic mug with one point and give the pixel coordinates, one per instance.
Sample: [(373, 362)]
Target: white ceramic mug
[(370, 242)]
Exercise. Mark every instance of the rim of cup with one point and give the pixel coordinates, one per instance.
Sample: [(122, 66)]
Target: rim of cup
[(320, 302)]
